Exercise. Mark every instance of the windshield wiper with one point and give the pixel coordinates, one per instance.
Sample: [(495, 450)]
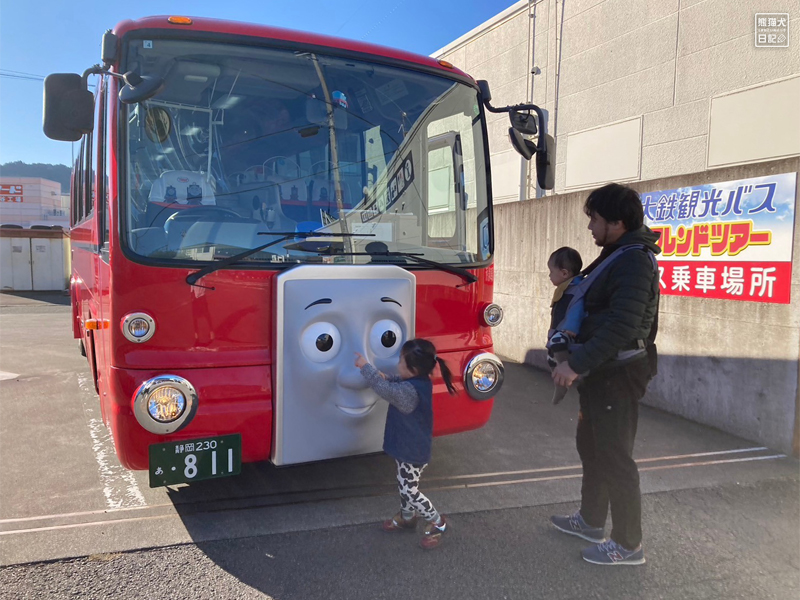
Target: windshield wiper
[(193, 278), (463, 273)]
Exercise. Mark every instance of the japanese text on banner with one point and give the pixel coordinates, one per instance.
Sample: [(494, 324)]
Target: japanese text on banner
[(730, 240)]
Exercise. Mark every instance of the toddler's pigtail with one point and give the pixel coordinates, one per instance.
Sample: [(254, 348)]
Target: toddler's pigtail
[(447, 376)]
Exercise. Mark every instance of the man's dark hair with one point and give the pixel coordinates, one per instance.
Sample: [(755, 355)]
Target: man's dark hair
[(615, 202), (566, 258)]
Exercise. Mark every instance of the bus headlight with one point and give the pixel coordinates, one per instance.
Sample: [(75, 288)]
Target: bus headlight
[(483, 376), (165, 404), (492, 315), (138, 327)]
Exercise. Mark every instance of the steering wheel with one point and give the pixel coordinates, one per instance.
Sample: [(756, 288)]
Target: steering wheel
[(199, 211)]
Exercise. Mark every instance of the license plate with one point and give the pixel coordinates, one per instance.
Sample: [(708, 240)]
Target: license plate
[(192, 460)]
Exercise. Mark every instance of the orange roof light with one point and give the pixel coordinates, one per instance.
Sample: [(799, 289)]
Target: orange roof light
[(444, 63), (180, 20)]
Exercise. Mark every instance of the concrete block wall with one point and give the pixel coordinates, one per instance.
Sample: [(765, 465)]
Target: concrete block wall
[(605, 61), (732, 365), (661, 63)]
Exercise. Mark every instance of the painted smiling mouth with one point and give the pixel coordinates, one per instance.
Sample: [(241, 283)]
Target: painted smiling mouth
[(356, 412)]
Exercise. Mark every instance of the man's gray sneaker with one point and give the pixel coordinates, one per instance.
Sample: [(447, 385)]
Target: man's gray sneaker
[(575, 525), (611, 553)]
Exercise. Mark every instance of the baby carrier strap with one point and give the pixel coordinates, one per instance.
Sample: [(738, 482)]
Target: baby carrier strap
[(579, 290)]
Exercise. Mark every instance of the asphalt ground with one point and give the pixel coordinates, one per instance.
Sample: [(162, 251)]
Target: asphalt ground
[(721, 515)]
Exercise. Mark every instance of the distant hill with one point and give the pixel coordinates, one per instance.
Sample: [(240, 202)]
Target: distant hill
[(59, 173)]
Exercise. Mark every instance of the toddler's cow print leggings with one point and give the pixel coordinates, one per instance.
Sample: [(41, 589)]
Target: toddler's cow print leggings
[(411, 499)]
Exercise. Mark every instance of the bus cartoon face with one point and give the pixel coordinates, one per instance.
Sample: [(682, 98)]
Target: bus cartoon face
[(323, 407)]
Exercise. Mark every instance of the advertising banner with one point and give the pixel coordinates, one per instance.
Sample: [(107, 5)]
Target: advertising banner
[(730, 240), (11, 193)]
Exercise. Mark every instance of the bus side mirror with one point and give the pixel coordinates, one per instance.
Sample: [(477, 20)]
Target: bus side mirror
[(524, 122), (545, 173), (68, 107), (486, 94), (545, 154), (525, 147), (138, 88)]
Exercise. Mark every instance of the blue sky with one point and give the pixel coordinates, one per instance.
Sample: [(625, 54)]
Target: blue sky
[(55, 36)]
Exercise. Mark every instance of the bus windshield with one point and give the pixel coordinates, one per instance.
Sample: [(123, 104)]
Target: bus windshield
[(246, 144)]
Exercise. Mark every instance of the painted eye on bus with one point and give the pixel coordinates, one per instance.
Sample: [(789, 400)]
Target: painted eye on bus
[(321, 342), (385, 338)]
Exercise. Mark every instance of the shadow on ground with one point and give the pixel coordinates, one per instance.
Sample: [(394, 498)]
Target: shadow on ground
[(33, 298), (700, 541)]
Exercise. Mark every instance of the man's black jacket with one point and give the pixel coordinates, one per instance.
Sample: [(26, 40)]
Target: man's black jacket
[(620, 305)]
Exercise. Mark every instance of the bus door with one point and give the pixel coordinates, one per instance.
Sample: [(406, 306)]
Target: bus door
[(105, 104), (446, 190)]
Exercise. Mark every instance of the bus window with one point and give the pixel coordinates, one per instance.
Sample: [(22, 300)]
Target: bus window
[(248, 146), (76, 192), (441, 192), (88, 172), (105, 139)]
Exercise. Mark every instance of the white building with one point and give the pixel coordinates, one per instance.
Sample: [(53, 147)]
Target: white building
[(638, 90), (661, 95), (28, 201)]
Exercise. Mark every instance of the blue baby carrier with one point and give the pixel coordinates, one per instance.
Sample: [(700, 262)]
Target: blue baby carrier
[(558, 341)]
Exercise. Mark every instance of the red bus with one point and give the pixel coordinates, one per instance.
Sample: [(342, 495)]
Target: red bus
[(250, 207)]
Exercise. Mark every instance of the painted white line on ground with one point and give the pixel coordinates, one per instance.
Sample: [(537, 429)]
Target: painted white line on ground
[(640, 460), (85, 513), (119, 484), (427, 479), (87, 524), (714, 462), (6, 375), (656, 468), (433, 488)]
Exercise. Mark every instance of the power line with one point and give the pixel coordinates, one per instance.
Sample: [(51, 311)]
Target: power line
[(11, 76), (25, 77), (22, 73)]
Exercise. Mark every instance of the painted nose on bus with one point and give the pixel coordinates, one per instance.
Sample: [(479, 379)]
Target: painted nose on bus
[(350, 377)]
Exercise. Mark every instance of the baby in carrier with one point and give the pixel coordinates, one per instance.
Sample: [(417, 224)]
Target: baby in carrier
[(565, 316)]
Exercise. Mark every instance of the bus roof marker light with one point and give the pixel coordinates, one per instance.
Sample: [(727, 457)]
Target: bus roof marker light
[(180, 20), (445, 63)]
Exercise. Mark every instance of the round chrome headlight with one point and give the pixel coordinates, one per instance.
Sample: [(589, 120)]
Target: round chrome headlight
[(483, 376), (138, 327), (492, 315), (165, 404)]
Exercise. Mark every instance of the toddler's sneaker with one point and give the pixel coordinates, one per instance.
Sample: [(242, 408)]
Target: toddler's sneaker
[(432, 534), (575, 525), (611, 553), (559, 342), (398, 523)]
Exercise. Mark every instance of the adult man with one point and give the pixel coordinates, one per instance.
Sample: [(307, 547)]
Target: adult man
[(615, 336)]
